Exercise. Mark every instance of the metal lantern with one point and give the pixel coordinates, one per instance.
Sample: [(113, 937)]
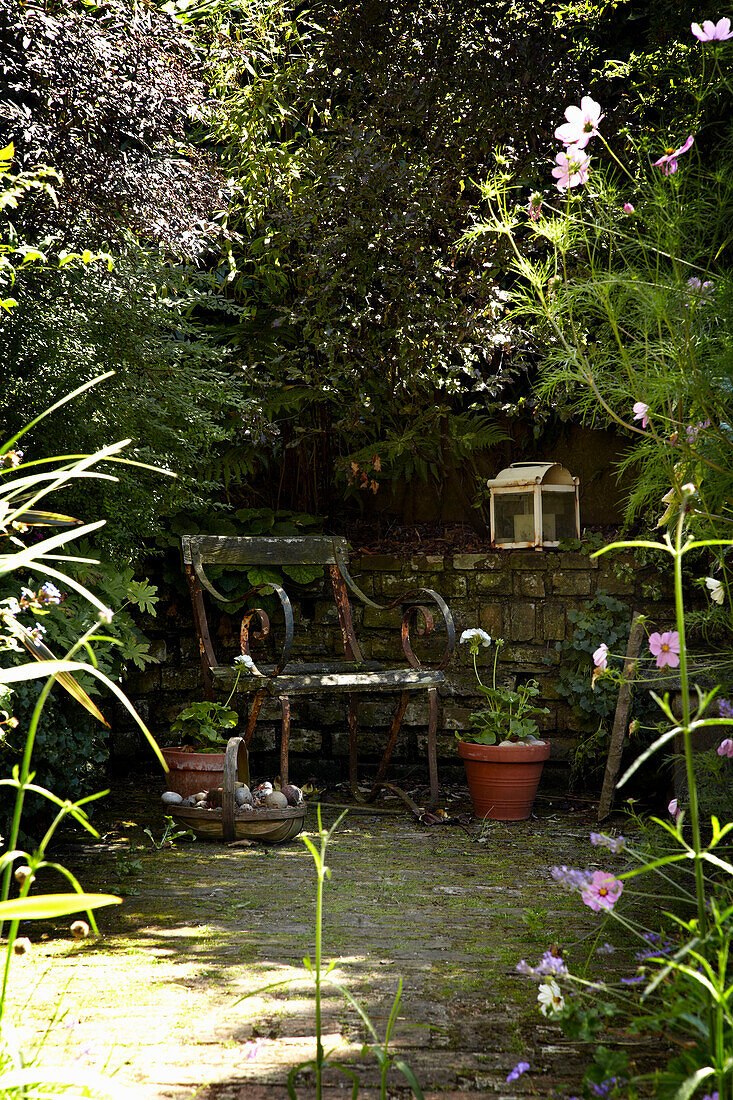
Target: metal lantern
[(534, 504)]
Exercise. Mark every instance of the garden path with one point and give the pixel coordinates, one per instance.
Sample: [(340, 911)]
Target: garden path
[(156, 998)]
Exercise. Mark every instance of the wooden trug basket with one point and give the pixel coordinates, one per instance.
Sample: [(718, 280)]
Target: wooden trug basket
[(268, 826)]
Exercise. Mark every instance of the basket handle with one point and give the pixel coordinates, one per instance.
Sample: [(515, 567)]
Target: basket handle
[(236, 766)]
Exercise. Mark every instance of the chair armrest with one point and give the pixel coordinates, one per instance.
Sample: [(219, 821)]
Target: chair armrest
[(262, 633), (416, 607)]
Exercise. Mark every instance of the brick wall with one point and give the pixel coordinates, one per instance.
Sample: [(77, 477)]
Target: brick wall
[(522, 596)]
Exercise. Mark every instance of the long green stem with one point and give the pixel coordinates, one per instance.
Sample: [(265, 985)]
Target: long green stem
[(678, 555), (23, 782), (475, 669), (319, 926), (713, 1021)]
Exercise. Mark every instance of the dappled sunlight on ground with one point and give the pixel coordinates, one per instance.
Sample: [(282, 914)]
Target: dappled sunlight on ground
[(171, 996)]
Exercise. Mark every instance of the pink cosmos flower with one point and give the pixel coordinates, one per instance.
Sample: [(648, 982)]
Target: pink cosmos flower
[(693, 430), (674, 807), (725, 748), (629, 208), (712, 32), (668, 162), (572, 168), (519, 1069), (698, 290), (534, 207), (582, 123), (600, 657), (641, 412), (602, 892), (665, 647)]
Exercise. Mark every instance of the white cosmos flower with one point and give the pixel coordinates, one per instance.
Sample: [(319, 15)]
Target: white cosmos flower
[(469, 635), (716, 590), (551, 999)]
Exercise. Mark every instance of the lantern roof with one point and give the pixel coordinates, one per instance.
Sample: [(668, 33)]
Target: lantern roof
[(524, 474)]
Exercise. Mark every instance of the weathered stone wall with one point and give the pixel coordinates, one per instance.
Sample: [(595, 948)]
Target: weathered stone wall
[(522, 596)]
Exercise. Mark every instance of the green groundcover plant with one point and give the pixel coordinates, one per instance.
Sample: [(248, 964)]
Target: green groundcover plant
[(628, 289), (622, 280), (23, 489), (681, 989), (323, 975)]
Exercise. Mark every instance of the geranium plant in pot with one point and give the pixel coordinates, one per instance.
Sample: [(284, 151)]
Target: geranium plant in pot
[(196, 761), (502, 754)]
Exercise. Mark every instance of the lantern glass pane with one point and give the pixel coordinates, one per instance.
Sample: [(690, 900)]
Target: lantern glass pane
[(558, 516), (514, 517)]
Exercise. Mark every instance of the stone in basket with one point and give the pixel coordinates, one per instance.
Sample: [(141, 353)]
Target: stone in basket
[(231, 822)]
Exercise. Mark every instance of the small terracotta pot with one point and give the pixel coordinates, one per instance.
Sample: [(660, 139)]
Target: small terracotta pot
[(191, 772), (503, 779)]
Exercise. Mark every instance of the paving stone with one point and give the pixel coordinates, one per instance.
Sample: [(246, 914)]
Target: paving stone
[(304, 740), (468, 561), (522, 622), (181, 679), (454, 585), (500, 583), (380, 563), (568, 559), (203, 925), (379, 620), (427, 563), (491, 619), (536, 560), (553, 620), (528, 584), (576, 583)]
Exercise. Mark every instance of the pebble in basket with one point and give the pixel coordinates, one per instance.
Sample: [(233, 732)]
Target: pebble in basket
[(234, 812)]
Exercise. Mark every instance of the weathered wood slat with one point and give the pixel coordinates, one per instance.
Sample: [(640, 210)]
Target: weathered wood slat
[(226, 550), (316, 668), (387, 680), (621, 717)]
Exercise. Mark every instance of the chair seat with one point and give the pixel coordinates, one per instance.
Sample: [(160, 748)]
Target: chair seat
[(305, 679)]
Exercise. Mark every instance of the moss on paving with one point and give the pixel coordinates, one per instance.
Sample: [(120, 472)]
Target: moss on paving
[(158, 997)]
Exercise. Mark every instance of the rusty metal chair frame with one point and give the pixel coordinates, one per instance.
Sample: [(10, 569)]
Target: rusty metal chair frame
[(353, 676)]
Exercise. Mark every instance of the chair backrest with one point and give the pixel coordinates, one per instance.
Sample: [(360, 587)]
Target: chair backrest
[(200, 550), (260, 550)]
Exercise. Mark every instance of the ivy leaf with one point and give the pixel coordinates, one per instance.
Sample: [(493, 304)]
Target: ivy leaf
[(260, 574), (303, 574)]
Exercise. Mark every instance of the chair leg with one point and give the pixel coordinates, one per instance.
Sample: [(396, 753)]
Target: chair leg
[(354, 746), (391, 740), (433, 747), (285, 739), (253, 714)]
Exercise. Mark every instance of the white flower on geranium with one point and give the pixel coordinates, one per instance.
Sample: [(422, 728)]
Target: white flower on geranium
[(245, 660), (716, 590), (106, 615), (551, 999), (482, 638)]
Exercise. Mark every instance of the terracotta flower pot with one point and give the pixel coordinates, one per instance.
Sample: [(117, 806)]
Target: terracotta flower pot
[(191, 772), (503, 779)]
